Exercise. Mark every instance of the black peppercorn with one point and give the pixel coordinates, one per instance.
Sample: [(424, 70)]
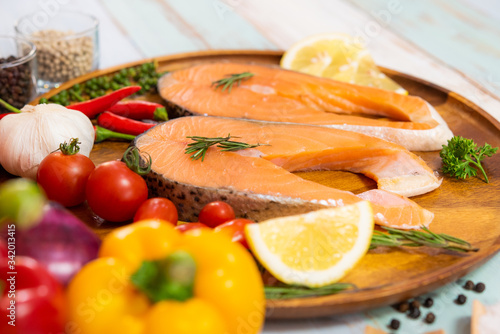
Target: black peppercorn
[(469, 285), (430, 317), (16, 84), (428, 302), (461, 299), (414, 313), (394, 324), (401, 307), (480, 287), (414, 304)]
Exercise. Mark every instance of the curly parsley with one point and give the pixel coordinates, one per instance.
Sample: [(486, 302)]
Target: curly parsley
[(461, 156)]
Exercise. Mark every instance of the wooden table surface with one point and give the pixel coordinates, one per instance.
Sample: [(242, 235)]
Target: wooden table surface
[(452, 43)]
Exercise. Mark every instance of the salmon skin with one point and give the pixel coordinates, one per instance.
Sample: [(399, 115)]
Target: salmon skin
[(259, 182), (278, 95)]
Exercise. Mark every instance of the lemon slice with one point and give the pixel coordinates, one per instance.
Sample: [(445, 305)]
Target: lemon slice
[(339, 57), (313, 249)]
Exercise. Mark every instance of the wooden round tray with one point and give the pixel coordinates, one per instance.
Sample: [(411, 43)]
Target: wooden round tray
[(468, 209)]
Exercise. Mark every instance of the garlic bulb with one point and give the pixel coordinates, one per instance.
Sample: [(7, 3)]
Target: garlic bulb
[(28, 137)]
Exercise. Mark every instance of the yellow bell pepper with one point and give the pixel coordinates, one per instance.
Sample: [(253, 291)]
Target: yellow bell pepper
[(151, 279)]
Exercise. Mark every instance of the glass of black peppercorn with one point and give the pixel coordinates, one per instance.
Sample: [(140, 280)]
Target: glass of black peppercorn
[(18, 71)]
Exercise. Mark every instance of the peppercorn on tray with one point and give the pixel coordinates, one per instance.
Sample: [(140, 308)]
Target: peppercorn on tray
[(466, 209)]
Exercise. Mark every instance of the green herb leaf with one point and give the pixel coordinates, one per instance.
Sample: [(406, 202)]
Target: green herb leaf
[(461, 157), (231, 79), (400, 238), (198, 148), (297, 291)]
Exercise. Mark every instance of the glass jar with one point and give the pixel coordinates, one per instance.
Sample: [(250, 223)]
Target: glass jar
[(67, 46), (18, 71)]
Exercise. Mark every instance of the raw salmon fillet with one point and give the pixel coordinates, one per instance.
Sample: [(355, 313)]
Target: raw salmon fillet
[(278, 95), (259, 182)]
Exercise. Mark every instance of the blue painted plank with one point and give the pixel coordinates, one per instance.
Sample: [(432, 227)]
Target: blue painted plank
[(219, 25), (161, 27), (148, 26), (453, 31)]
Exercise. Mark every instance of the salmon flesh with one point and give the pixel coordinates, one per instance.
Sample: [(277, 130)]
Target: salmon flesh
[(259, 182), (277, 95)]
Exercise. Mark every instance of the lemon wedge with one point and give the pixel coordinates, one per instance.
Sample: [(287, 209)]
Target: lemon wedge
[(313, 249), (339, 57)]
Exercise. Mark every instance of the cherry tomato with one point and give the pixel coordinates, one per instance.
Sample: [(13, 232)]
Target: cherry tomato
[(235, 229), (215, 213), (157, 208), (190, 226), (114, 192), (63, 177)]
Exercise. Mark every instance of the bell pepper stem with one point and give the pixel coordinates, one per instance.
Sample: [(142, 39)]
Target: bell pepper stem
[(9, 107), (169, 279), (102, 134)]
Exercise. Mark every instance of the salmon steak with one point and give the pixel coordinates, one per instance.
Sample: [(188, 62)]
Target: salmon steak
[(259, 182), (278, 95)]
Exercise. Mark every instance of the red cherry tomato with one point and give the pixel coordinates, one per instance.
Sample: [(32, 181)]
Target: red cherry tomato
[(63, 177), (114, 192), (235, 229), (190, 226), (157, 208), (215, 213)]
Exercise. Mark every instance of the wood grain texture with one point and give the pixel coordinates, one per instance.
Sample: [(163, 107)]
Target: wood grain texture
[(466, 209)]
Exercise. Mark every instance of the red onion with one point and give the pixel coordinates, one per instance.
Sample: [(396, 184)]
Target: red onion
[(60, 241)]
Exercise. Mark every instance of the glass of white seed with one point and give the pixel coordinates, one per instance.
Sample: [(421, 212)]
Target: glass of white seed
[(67, 45)]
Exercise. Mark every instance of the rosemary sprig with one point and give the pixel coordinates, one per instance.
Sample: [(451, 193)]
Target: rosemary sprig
[(231, 79), (297, 291), (400, 238), (198, 148)]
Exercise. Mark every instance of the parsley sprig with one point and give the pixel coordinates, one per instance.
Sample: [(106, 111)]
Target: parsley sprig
[(462, 155)]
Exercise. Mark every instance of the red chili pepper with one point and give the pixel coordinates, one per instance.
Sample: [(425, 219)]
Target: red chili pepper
[(140, 110), (98, 105), (102, 134), (5, 114), (31, 299), (122, 124)]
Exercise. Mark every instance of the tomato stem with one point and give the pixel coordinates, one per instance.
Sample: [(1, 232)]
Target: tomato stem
[(132, 158), (70, 149)]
